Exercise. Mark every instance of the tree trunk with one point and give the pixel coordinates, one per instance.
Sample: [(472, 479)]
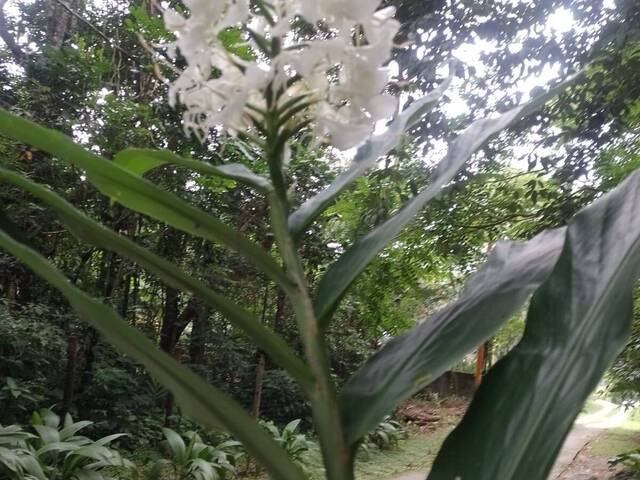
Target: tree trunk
[(173, 326), (257, 391), (169, 320), (135, 295), (260, 357), (58, 22), (18, 55), (70, 374), (199, 337), (124, 302)]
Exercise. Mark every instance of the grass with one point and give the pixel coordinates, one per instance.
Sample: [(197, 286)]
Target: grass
[(615, 441), (415, 453), (590, 406), (618, 440)]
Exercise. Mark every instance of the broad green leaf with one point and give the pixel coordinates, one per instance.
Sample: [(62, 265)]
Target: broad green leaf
[(32, 466), (205, 469), (175, 442), (411, 361), (109, 438), (199, 400), (140, 160), (138, 194), (47, 433), (73, 428), (96, 234), (373, 149), (352, 263), (56, 447), (10, 460), (88, 475), (578, 322)]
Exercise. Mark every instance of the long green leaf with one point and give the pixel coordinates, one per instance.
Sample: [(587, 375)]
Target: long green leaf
[(140, 160), (138, 194), (578, 322), (413, 360), (352, 263), (205, 404), (366, 156), (93, 232)]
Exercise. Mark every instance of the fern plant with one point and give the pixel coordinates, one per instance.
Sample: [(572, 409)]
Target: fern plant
[(579, 278)]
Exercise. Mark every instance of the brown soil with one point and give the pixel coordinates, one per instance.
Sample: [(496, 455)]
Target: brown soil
[(586, 466)]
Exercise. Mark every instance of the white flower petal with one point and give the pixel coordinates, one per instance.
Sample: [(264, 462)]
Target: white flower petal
[(382, 107), (174, 21), (345, 78)]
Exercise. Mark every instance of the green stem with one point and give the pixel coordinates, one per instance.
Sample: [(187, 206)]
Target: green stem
[(337, 456), (324, 403)]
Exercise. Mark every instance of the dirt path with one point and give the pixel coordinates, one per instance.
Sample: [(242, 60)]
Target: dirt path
[(575, 462), (570, 465)]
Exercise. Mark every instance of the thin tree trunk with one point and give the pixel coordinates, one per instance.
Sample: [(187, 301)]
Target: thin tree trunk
[(70, 374), (173, 326), (260, 357), (124, 303), (198, 343), (167, 334), (169, 320), (257, 392), (135, 295)]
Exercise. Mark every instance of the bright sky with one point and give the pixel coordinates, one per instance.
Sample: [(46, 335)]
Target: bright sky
[(559, 23)]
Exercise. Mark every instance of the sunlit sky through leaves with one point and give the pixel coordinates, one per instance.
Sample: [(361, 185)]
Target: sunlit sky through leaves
[(559, 23)]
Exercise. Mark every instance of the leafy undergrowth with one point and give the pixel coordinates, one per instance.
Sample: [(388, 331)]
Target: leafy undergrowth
[(415, 453)]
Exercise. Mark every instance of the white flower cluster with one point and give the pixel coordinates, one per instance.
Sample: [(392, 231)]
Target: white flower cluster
[(340, 66)]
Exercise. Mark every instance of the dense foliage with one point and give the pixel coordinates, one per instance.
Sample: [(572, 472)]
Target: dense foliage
[(92, 71)]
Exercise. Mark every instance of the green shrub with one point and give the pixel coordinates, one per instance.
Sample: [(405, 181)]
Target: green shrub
[(630, 460), (195, 460), (16, 461), (65, 455), (282, 399), (56, 451), (386, 436), (296, 444)]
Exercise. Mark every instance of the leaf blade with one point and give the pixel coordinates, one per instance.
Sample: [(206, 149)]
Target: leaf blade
[(96, 234), (342, 273), (201, 401), (579, 320), (138, 194), (377, 146), (140, 160), (411, 361)]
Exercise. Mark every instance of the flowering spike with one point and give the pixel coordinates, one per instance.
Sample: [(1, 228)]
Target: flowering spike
[(340, 67)]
